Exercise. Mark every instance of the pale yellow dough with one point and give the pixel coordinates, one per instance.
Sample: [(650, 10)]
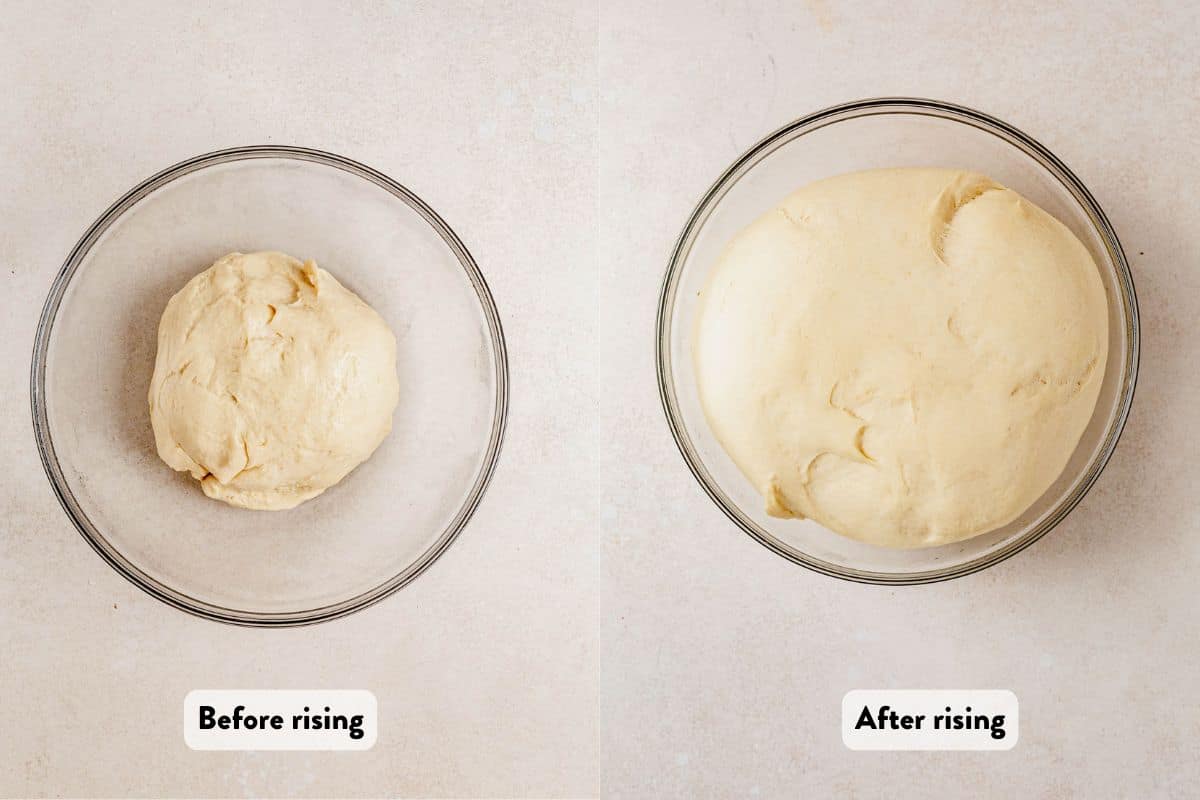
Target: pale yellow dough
[(907, 356), (272, 381)]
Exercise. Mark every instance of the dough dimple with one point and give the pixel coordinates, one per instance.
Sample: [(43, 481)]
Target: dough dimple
[(272, 381), (908, 356)]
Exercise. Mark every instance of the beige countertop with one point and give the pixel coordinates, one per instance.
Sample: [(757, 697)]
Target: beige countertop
[(724, 665), (567, 148), (484, 667)]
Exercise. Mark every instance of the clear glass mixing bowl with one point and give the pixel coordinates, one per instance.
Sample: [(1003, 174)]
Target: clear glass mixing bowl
[(385, 522), (868, 134)]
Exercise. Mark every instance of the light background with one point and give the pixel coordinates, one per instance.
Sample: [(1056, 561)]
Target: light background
[(485, 667), (723, 665)]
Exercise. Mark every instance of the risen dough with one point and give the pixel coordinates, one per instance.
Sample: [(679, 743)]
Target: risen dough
[(908, 356), (272, 381)]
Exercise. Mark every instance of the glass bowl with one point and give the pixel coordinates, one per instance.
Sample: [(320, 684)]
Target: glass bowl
[(364, 538), (867, 134)]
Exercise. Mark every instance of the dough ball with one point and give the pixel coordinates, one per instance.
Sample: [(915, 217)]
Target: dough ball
[(272, 381), (907, 356)]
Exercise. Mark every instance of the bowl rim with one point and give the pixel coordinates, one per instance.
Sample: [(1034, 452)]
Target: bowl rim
[(92, 535), (854, 110)]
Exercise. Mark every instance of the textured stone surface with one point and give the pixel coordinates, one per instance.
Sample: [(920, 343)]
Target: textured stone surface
[(485, 667), (724, 665)]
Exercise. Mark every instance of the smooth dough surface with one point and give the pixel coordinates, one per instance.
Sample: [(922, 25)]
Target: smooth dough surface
[(907, 356), (272, 381)]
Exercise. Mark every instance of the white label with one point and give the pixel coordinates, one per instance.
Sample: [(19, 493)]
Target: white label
[(321, 719), (930, 719)]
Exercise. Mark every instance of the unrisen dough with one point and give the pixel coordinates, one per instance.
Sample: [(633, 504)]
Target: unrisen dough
[(907, 356), (272, 381)]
